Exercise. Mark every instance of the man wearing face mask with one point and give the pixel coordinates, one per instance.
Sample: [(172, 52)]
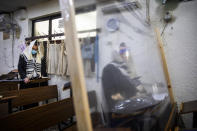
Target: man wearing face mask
[(29, 65), (130, 68), (119, 78)]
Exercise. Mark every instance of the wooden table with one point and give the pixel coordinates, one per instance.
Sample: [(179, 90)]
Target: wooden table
[(9, 101)]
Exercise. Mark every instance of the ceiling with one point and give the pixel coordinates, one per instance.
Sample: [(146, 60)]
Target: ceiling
[(12, 5)]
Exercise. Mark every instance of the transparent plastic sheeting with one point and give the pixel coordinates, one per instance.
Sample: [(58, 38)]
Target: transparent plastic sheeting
[(123, 69)]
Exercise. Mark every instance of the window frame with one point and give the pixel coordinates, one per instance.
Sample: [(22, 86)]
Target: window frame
[(49, 18), (80, 10)]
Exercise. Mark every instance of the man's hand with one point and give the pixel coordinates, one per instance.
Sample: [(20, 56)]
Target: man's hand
[(26, 80), (117, 96)]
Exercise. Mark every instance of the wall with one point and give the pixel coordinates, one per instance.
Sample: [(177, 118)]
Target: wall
[(179, 43), (36, 11), (6, 48), (180, 48)]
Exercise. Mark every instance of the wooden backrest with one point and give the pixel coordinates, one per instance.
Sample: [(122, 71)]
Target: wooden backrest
[(32, 95), (8, 86), (74, 128), (71, 128), (40, 80), (38, 118)]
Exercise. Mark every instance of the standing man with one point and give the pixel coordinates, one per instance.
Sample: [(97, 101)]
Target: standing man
[(29, 65)]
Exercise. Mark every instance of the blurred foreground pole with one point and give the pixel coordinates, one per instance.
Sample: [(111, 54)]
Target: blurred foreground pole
[(75, 67), (165, 67)]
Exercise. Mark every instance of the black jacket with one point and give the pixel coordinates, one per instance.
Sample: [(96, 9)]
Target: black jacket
[(114, 81), (22, 64)]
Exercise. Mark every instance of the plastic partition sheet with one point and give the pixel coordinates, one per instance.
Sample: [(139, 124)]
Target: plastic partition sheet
[(123, 70)]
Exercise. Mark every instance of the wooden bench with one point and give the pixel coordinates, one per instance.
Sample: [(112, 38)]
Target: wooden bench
[(74, 128), (13, 85), (190, 107), (179, 129), (8, 86), (40, 80), (31, 95), (38, 118)]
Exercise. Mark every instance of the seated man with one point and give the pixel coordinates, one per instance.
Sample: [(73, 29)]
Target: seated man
[(119, 80), (126, 99), (117, 84)]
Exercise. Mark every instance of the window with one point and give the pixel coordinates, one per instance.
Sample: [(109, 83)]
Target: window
[(85, 23), (41, 28), (57, 27)]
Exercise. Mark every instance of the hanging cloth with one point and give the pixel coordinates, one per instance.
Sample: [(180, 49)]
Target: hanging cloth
[(57, 59), (41, 49), (64, 60), (58, 55), (51, 57)]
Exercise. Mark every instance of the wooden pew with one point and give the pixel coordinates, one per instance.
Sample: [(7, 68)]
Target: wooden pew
[(8, 86), (179, 129), (74, 128), (13, 85), (71, 128), (32, 95), (40, 80), (38, 118), (189, 107)]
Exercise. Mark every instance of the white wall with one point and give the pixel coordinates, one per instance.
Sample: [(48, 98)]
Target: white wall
[(180, 47), (180, 39), (179, 44), (6, 47), (36, 11)]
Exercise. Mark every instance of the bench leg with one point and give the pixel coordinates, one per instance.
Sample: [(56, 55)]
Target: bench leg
[(10, 106), (59, 127), (194, 119)]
